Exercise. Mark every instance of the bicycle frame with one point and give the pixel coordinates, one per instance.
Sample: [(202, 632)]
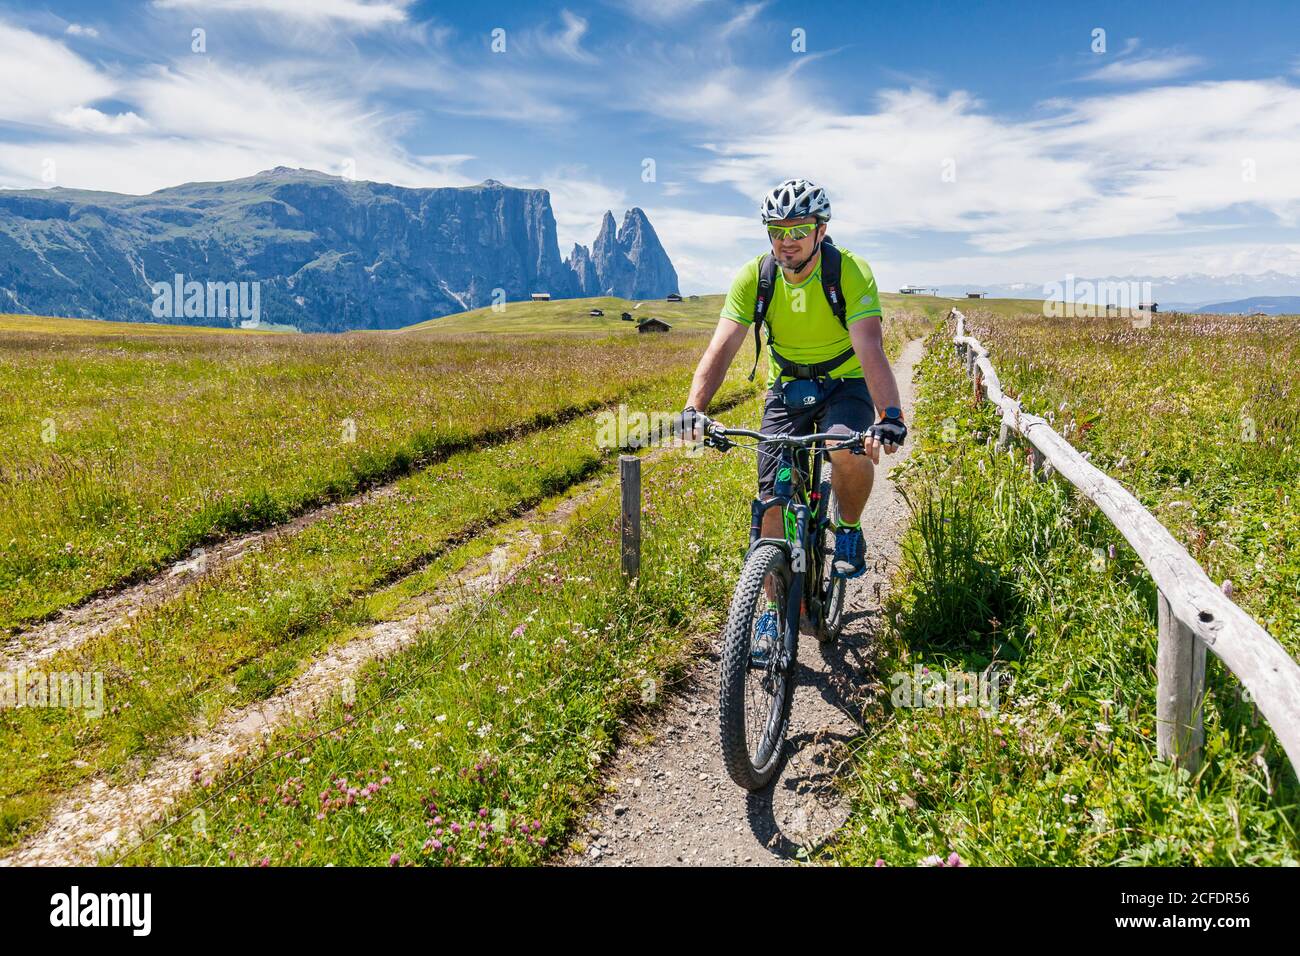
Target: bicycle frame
[(803, 519)]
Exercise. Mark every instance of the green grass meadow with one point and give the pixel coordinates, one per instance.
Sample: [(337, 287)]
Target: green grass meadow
[(1001, 572)]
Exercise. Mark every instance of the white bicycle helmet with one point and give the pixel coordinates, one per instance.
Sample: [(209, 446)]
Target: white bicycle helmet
[(795, 199)]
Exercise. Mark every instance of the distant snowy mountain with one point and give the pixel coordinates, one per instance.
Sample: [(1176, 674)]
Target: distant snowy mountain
[(1268, 304), (1178, 292)]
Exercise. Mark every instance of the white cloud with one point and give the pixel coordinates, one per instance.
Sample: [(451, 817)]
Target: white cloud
[(199, 121), (1099, 259), (1141, 163), (568, 42), (77, 30), (748, 13), (358, 13), (93, 121), (40, 77), (660, 11), (1148, 69)]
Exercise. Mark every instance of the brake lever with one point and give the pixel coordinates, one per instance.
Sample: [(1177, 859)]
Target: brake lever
[(720, 442)]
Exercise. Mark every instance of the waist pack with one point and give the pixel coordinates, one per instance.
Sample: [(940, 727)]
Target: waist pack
[(805, 392)]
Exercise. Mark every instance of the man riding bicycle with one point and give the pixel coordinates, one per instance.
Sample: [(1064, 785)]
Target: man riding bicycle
[(824, 348)]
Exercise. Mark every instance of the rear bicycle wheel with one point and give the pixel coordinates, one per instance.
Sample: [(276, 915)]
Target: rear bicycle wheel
[(755, 693), (830, 588)]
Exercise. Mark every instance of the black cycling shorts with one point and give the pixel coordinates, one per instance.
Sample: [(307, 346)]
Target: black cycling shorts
[(848, 403)]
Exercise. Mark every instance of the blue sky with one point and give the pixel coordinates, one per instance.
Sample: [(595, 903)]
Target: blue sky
[(976, 143)]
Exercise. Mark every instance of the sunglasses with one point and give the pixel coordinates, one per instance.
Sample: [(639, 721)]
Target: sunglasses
[(793, 232)]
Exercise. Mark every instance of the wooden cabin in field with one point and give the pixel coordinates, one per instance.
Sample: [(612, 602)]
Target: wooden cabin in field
[(653, 325), (1153, 308), (626, 316), (976, 295), (541, 297), (674, 297)]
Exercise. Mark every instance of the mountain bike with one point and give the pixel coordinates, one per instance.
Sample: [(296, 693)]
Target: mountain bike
[(796, 573)]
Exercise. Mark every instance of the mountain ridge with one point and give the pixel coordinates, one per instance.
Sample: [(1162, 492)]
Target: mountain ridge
[(325, 253)]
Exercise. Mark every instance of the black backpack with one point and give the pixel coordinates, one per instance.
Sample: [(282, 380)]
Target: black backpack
[(830, 267)]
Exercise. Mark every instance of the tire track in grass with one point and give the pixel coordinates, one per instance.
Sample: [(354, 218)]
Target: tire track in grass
[(92, 819), (670, 801), (107, 611)]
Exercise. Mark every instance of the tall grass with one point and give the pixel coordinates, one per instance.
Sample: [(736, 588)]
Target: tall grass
[(119, 460), (1064, 771)]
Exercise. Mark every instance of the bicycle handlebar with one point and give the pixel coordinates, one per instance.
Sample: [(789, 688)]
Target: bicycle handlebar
[(716, 430)]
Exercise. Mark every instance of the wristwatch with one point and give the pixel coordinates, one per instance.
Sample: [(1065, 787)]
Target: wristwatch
[(893, 412)]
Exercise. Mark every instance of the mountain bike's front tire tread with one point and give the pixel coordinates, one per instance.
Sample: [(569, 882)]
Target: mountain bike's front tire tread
[(737, 636)]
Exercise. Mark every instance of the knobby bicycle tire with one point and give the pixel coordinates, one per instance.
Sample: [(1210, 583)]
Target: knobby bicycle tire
[(735, 669)]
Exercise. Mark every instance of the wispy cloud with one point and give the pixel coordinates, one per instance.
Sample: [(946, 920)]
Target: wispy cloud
[(358, 13), (206, 118), (77, 30), (661, 11), (568, 42), (1147, 69), (747, 15)]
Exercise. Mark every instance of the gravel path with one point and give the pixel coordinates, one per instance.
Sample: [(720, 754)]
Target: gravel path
[(670, 801)]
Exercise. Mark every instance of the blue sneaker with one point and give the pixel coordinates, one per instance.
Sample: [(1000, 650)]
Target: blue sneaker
[(850, 553), (760, 652)]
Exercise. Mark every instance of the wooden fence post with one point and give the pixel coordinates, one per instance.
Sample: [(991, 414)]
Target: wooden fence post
[(629, 470), (1180, 691)]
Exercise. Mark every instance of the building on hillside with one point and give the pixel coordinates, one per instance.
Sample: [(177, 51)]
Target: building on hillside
[(541, 297), (674, 297), (653, 325), (695, 298), (1153, 308), (976, 295), (626, 316), (596, 312)]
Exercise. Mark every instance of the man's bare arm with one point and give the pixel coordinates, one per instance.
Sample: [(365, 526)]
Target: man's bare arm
[(869, 346), (727, 339)]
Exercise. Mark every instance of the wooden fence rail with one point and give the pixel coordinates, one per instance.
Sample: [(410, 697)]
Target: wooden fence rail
[(1194, 614)]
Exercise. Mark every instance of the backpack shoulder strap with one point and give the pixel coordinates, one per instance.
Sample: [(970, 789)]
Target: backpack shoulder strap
[(762, 300), (831, 261)]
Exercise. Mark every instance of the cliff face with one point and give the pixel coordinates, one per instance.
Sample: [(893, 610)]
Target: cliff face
[(629, 262), (328, 254)]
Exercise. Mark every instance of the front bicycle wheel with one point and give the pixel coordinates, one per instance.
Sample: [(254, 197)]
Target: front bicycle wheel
[(757, 674), (832, 588)]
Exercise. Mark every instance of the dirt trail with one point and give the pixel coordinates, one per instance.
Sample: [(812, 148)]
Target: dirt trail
[(670, 801), (75, 625)]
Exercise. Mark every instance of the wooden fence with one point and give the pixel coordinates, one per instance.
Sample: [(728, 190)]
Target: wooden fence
[(1193, 615)]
